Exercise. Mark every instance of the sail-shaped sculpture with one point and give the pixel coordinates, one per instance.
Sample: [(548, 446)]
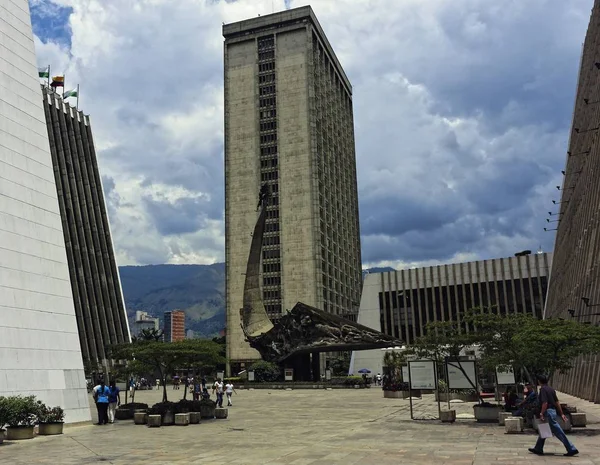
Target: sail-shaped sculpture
[(302, 330)]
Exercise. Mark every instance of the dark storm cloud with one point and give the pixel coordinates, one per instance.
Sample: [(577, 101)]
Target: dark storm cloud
[(461, 114)]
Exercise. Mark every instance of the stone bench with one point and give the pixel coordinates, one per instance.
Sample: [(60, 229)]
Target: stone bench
[(503, 416), (182, 419), (513, 425), (566, 426), (578, 419), (154, 420), (194, 418), (221, 413), (448, 416), (140, 418)]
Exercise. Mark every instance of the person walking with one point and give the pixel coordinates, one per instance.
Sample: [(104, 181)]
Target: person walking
[(218, 388), (229, 390), (101, 393), (114, 400), (550, 406)]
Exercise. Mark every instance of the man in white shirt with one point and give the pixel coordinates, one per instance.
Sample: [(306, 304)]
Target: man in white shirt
[(218, 388), (229, 391)]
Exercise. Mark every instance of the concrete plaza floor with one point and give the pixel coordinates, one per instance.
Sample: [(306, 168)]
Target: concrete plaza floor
[(306, 427)]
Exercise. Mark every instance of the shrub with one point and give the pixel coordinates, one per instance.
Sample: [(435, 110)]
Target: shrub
[(133, 406), (51, 415), (186, 406), (162, 407), (21, 410), (265, 371), (347, 380), (234, 380), (3, 412)]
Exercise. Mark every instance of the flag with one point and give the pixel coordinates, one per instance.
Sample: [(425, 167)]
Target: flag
[(71, 93), (44, 72), (58, 81)]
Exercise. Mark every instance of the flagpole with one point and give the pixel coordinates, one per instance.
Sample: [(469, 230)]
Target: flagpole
[(64, 82), (49, 72), (77, 104)]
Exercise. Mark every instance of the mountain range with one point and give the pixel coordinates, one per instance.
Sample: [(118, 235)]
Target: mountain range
[(198, 290)]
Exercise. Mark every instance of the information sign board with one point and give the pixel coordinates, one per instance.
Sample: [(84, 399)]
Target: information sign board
[(504, 376), (457, 379), (422, 374)]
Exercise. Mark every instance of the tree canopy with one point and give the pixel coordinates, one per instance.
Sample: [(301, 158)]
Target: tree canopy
[(166, 357), (520, 341)]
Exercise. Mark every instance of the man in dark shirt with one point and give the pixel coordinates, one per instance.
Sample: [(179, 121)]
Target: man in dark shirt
[(550, 405)]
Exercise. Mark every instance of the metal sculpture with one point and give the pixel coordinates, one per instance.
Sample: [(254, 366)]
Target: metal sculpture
[(302, 330)]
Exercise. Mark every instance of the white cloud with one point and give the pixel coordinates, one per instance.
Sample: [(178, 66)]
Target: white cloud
[(461, 112)]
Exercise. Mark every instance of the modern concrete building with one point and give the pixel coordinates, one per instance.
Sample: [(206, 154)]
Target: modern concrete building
[(95, 282), (144, 320), (401, 303), (40, 350), (289, 124), (174, 326), (575, 282)]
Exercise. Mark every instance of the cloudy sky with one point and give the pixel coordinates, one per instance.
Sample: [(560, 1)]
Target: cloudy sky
[(462, 114)]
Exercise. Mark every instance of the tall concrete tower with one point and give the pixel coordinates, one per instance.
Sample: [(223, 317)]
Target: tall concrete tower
[(95, 282), (289, 124), (40, 351)]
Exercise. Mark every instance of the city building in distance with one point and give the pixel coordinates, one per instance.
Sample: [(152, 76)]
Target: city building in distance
[(143, 320), (174, 326), (289, 125), (401, 303), (40, 349), (95, 282), (575, 283)]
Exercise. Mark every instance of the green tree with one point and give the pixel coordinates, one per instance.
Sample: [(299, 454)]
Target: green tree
[(532, 345), (165, 357), (265, 371), (340, 365)]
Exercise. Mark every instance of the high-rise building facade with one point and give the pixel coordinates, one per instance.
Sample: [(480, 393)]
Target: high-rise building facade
[(95, 282), (174, 326), (143, 320), (575, 281), (40, 350), (289, 124), (401, 303)]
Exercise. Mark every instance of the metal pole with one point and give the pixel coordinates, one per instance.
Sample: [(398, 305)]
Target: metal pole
[(77, 104), (410, 392), (437, 390), (447, 382)]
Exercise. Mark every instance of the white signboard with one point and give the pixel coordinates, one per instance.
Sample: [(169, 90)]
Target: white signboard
[(457, 379), (251, 375), (289, 374), (422, 374), (505, 377), (328, 375), (405, 373)]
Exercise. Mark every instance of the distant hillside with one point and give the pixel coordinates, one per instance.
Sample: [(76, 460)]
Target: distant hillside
[(199, 290)]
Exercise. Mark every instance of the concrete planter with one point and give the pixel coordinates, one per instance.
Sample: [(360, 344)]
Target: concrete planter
[(194, 418), (50, 429), (154, 421), (448, 416), (140, 418), (566, 426), (182, 419), (487, 414), (221, 413), (16, 433)]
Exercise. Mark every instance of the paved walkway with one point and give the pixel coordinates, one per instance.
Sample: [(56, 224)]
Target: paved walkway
[(305, 427)]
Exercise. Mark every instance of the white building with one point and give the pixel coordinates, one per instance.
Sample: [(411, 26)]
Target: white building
[(40, 351), (401, 303)]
